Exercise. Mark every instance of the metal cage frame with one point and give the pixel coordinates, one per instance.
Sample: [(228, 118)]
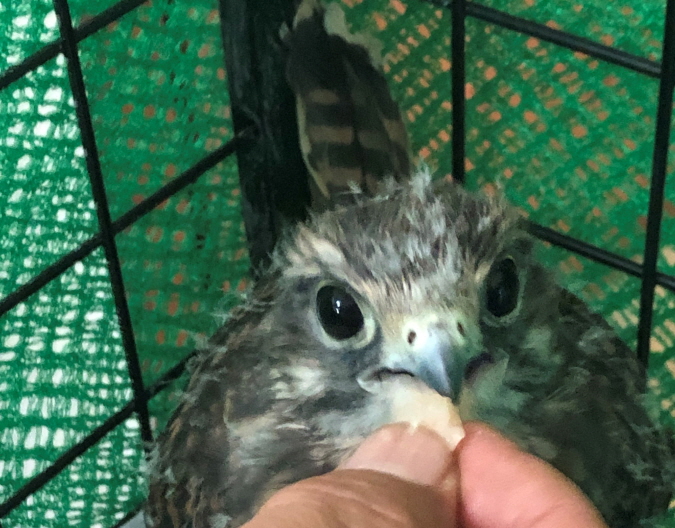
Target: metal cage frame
[(260, 203)]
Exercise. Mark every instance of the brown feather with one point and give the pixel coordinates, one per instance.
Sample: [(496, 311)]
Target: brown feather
[(351, 129)]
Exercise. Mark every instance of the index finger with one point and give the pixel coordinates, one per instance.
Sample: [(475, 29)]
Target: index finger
[(504, 487)]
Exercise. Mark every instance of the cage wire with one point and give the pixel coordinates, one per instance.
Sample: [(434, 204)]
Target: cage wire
[(115, 262)]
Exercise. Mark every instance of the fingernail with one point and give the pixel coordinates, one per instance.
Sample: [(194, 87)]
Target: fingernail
[(415, 454)]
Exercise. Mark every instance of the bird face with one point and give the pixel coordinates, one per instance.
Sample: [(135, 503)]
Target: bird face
[(412, 284), (430, 341)]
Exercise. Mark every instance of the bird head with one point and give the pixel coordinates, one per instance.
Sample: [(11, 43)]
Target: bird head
[(425, 281)]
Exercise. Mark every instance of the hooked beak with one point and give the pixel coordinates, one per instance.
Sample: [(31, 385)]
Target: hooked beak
[(437, 366), (434, 350)]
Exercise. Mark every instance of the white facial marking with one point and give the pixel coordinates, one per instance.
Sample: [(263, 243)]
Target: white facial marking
[(309, 379)]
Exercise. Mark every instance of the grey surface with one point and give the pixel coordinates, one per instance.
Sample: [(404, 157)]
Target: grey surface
[(136, 522)]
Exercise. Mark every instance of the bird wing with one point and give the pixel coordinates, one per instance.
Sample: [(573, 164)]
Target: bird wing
[(605, 342), (190, 469), (602, 431), (351, 129)]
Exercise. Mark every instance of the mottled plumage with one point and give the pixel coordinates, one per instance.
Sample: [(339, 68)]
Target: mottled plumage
[(424, 280)]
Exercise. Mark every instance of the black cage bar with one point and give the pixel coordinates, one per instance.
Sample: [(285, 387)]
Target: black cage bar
[(260, 155)]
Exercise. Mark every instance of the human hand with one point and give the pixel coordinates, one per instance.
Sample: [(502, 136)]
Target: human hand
[(407, 478), (504, 487)]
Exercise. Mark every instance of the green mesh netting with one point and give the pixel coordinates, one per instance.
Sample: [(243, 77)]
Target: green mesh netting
[(566, 137)]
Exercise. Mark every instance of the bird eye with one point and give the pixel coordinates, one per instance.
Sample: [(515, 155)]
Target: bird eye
[(338, 312), (503, 288)]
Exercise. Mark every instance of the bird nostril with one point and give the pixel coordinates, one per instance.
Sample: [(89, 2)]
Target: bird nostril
[(460, 329), (411, 337)]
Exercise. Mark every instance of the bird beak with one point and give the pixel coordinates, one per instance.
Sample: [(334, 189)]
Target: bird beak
[(434, 349), (438, 365), (440, 370)]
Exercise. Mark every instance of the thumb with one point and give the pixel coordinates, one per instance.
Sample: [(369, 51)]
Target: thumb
[(416, 454), (400, 476)]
